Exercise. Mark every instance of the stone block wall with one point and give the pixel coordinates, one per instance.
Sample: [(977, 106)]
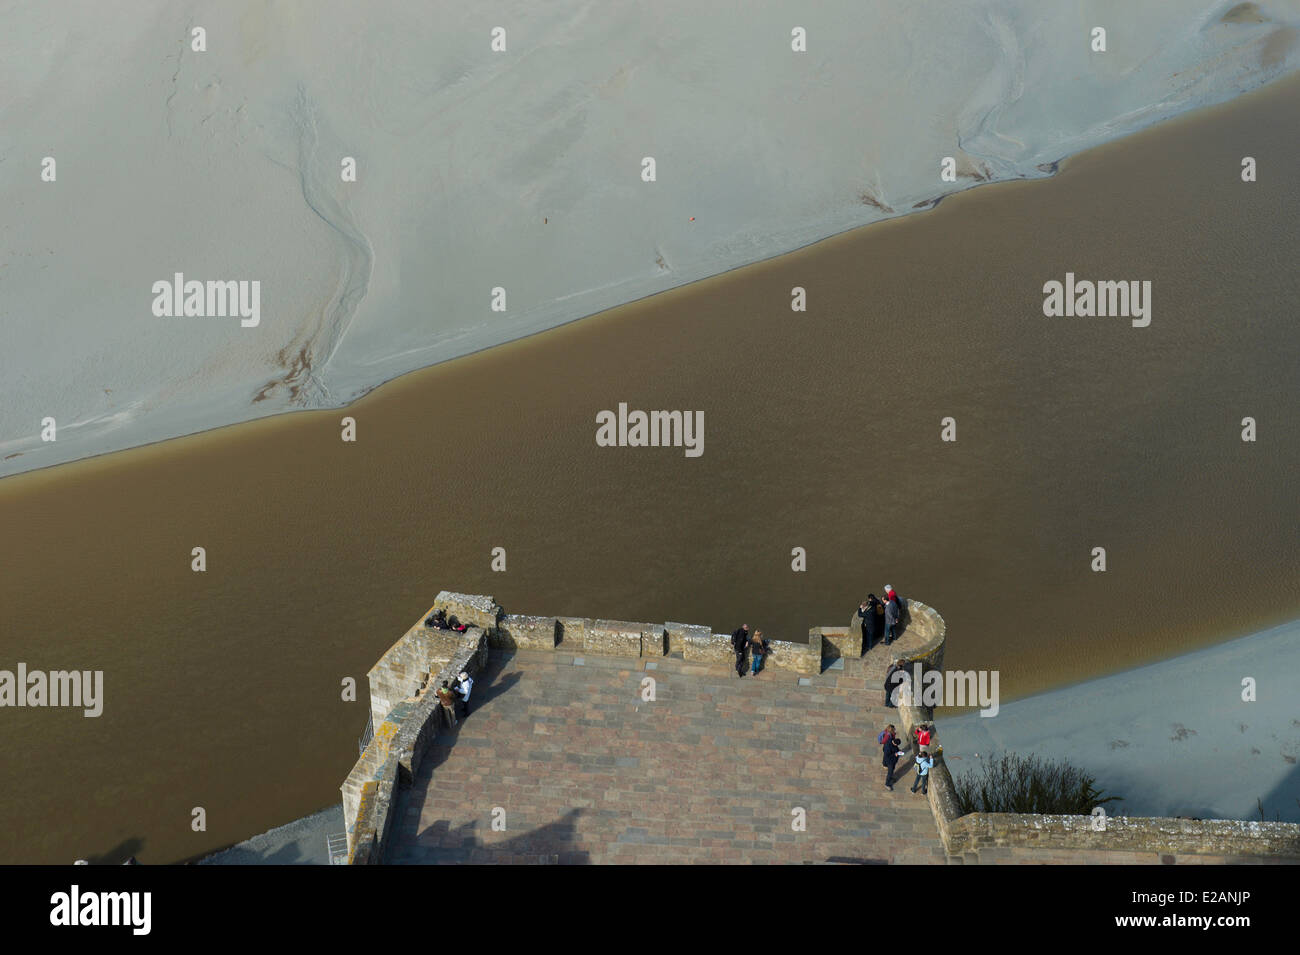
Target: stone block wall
[(400, 741), (654, 640), (376, 813), (420, 724), (678, 635), (616, 638), (572, 633), (711, 648), (802, 658), (405, 667), (926, 622), (520, 632), (842, 641), (972, 833), (815, 652), (476, 610), (423, 651)]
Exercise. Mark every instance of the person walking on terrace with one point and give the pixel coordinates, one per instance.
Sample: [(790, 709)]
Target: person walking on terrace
[(757, 651), (895, 676), (872, 613), (739, 641), (889, 758), (885, 734), (448, 701)]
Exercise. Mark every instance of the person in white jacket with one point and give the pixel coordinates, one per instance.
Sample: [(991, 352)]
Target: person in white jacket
[(464, 683)]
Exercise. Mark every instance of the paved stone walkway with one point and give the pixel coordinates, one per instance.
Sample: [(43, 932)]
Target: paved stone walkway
[(710, 772)]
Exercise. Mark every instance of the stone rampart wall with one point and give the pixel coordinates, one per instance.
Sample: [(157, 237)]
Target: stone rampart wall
[(407, 716), (1166, 837)]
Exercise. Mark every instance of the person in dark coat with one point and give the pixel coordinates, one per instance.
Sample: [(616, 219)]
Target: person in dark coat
[(872, 614), (890, 760), (739, 643), (893, 611), (894, 677)]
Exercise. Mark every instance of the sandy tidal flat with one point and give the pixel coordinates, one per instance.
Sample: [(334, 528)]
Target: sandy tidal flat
[(477, 170), (1172, 739)]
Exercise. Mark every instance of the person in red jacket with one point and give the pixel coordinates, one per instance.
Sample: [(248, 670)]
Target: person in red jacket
[(922, 733)]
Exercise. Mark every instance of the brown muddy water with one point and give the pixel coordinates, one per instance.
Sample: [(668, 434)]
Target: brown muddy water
[(822, 431)]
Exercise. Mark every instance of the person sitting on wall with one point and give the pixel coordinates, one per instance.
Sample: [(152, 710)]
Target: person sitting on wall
[(439, 620)]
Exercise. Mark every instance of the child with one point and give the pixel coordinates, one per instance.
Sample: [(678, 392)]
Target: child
[(924, 762)]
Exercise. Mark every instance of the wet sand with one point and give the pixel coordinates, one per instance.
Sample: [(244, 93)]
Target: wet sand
[(1171, 739), (516, 169), (822, 431)]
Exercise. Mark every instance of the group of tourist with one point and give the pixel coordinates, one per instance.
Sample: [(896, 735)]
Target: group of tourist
[(452, 696), (892, 751), (447, 696), (880, 617), (439, 620), (757, 648)]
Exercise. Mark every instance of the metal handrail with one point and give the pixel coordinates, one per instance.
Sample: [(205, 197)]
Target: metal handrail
[(367, 734), (336, 846)]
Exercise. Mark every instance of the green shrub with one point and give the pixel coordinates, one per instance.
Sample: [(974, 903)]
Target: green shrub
[(1029, 784)]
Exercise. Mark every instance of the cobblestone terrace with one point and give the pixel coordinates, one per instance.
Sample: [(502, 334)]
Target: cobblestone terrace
[(588, 772)]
